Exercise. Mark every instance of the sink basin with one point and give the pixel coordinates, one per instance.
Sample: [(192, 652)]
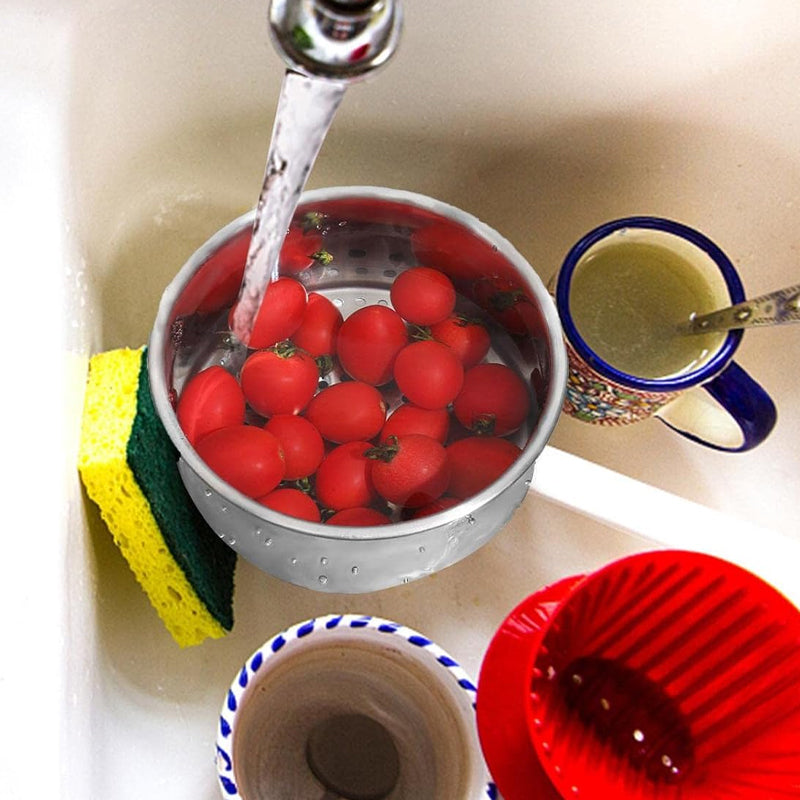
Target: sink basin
[(132, 134)]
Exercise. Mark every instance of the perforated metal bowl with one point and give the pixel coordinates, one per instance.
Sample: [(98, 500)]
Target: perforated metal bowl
[(373, 234)]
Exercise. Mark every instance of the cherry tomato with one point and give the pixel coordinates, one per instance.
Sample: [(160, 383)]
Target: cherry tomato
[(429, 374), (301, 249), (280, 314), (358, 517), (247, 457), (468, 338), (320, 327), (408, 418), (279, 380), (343, 478), (302, 445), (410, 471), (477, 461), (440, 504), (423, 295), (508, 303), (347, 411), (291, 502), (368, 343), (212, 399), (456, 251), (493, 400)]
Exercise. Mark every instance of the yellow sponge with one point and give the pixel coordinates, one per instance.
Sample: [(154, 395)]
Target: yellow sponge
[(129, 468)]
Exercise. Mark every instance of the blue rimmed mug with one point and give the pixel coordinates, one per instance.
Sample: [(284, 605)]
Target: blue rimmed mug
[(714, 402)]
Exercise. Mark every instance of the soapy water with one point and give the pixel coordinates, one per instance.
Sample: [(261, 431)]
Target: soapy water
[(306, 108)]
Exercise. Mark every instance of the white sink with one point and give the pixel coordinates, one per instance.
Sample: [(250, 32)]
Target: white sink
[(133, 131)]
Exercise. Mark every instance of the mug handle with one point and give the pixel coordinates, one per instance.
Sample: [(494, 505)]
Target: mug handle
[(731, 412)]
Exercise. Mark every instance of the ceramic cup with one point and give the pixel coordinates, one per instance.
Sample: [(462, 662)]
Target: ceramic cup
[(662, 675), (714, 402), (348, 706)]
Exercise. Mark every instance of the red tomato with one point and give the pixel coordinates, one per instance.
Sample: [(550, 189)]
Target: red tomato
[(280, 380), (410, 471), (302, 445), (347, 411), (368, 343), (440, 504), (343, 478), (320, 327), (246, 457), (468, 338), (408, 418), (358, 517), (477, 461), (455, 251), (212, 399), (301, 249), (291, 502), (423, 296), (493, 400), (280, 314), (509, 304), (429, 374)]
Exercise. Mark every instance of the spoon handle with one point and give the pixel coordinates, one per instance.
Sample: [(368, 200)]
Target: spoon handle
[(775, 308)]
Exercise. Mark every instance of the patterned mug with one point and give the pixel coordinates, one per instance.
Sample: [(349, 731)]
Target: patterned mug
[(714, 401)]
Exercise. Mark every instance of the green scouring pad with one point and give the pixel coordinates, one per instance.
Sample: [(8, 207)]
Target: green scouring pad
[(128, 465)]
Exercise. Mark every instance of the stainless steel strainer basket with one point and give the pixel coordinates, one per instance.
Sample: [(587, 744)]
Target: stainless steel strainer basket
[(373, 234)]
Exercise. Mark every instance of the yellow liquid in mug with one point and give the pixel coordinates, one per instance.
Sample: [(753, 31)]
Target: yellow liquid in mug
[(626, 301)]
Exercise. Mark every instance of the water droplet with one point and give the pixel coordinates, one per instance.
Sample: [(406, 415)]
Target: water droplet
[(470, 519), (337, 301), (422, 548), (207, 492), (406, 579), (354, 570), (293, 561), (267, 542), (323, 561), (323, 579), (223, 509), (744, 314), (360, 301)]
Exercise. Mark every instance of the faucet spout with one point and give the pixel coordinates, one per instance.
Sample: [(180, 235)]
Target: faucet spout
[(341, 40)]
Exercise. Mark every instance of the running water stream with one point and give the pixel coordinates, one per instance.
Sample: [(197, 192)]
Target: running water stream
[(306, 108)]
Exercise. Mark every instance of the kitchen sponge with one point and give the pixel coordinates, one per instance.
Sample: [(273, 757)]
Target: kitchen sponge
[(128, 465)]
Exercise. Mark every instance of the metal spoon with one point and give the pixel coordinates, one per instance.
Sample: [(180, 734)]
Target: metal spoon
[(775, 308)]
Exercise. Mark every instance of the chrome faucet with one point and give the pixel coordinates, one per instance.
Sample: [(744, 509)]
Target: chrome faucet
[(340, 40)]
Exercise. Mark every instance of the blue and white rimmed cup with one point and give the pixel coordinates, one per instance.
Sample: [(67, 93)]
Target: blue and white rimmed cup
[(347, 664), (716, 403)]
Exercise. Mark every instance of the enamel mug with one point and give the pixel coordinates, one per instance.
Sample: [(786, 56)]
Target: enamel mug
[(712, 401)]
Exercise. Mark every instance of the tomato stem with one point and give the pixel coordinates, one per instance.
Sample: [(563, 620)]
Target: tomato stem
[(386, 451), (484, 424), (421, 333), (322, 257), (285, 349)]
